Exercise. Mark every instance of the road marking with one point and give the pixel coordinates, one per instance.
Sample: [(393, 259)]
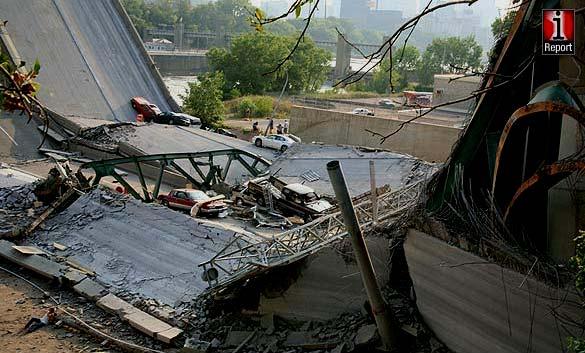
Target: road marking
[(10, 137)]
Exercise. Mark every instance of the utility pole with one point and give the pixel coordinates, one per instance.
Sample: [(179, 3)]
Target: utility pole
[(373, 192), (384, 319)]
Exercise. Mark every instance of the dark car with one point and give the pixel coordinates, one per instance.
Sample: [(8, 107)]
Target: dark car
[(142, 106), (225, 132), (220, 131), (172, 119)]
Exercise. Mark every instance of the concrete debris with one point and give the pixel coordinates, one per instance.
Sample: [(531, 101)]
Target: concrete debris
[(90, 289), (59, 247), (28, 250), (35, 263), (366, 335), (18, 198)]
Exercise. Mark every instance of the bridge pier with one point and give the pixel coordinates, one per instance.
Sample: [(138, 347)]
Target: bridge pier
[(342, 58), (179, 35)]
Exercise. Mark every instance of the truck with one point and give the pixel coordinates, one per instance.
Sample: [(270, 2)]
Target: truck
[(293, 199)]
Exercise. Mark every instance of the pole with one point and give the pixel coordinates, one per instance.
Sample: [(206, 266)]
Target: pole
[(384, 319), (373, 192)]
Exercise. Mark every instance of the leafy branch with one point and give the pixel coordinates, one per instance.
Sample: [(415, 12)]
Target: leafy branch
[(18, 92)]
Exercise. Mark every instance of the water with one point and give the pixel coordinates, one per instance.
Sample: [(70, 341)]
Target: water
[(178, 86)]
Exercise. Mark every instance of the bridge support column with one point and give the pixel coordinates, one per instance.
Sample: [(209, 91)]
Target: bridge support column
[(342, 58), (179, 35)]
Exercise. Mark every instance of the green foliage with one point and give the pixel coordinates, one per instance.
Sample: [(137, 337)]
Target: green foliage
[(251, 56), (255, 107), (246, 108), (204, 99), (449, 55), (576, 345), (501, 26), (405, 61), (323, 29), (577, 263), (220, 16), (381, 78), (232, 94), (263, 105)]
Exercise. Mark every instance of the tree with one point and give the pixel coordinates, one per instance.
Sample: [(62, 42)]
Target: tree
[(405, 61), (251, 57), (204, 99), (449, 55), (501, 26), (381, 78)]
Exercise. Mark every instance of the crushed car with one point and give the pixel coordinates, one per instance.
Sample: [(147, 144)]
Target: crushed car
[(197, 202), (293, 199)]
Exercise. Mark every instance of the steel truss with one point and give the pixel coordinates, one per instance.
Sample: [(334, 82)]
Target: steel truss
[(245, 257), (208, 170)]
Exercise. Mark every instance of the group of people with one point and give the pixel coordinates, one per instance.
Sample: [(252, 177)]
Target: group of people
[(280, 128)]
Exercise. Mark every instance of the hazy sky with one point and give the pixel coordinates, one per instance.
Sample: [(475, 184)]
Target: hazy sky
[(500, 4)]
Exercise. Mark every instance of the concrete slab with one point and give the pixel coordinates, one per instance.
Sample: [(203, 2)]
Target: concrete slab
[(146, 323), (169, 335), (73, 277), (115, 305), (392, 169), (474, 305), (135, 247), (86, 49), (328, 286), (90, 289), (35, 263)]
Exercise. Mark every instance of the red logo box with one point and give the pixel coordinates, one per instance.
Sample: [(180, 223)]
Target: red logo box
[(558, 32)]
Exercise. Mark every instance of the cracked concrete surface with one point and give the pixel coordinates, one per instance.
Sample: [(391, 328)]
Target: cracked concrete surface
[(147, 249)]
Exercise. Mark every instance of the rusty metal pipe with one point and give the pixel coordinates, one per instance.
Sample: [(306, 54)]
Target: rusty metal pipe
[(384, 319)]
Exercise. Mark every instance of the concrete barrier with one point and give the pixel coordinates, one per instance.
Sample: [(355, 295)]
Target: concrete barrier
[(422, 140)]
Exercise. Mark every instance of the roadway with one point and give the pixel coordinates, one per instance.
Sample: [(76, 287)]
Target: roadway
[(91, 64)]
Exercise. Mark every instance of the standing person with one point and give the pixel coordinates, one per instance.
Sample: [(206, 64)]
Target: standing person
[(279, 129), (286, 126), (270, 126), (255, 127)]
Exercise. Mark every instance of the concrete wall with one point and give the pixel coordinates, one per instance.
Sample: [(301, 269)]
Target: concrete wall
[(445, 91), (476, 306), (426, 141), (329, 285), (180, 64)]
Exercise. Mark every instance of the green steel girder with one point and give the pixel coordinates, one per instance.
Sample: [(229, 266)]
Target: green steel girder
[(167, 161)]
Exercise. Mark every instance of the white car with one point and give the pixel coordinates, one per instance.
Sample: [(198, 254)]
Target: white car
[(277, 142), (363, 111)]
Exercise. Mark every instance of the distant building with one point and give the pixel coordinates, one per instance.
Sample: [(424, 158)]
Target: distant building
[(363, 14), (408, 7), (159, 44), (356, 10), (274, 7), (449, 87)]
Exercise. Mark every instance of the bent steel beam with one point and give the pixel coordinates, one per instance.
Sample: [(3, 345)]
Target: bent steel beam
[(552, 173), (527, 112), (553, 97), (216, 163)]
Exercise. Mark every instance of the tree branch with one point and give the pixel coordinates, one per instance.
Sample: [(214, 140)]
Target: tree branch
[(473, 95)]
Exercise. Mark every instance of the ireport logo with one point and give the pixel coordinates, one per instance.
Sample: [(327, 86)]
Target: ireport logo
[(558, 32)]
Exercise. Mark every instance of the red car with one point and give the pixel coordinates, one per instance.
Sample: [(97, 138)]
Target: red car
[(185, 199), (148, 110)]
